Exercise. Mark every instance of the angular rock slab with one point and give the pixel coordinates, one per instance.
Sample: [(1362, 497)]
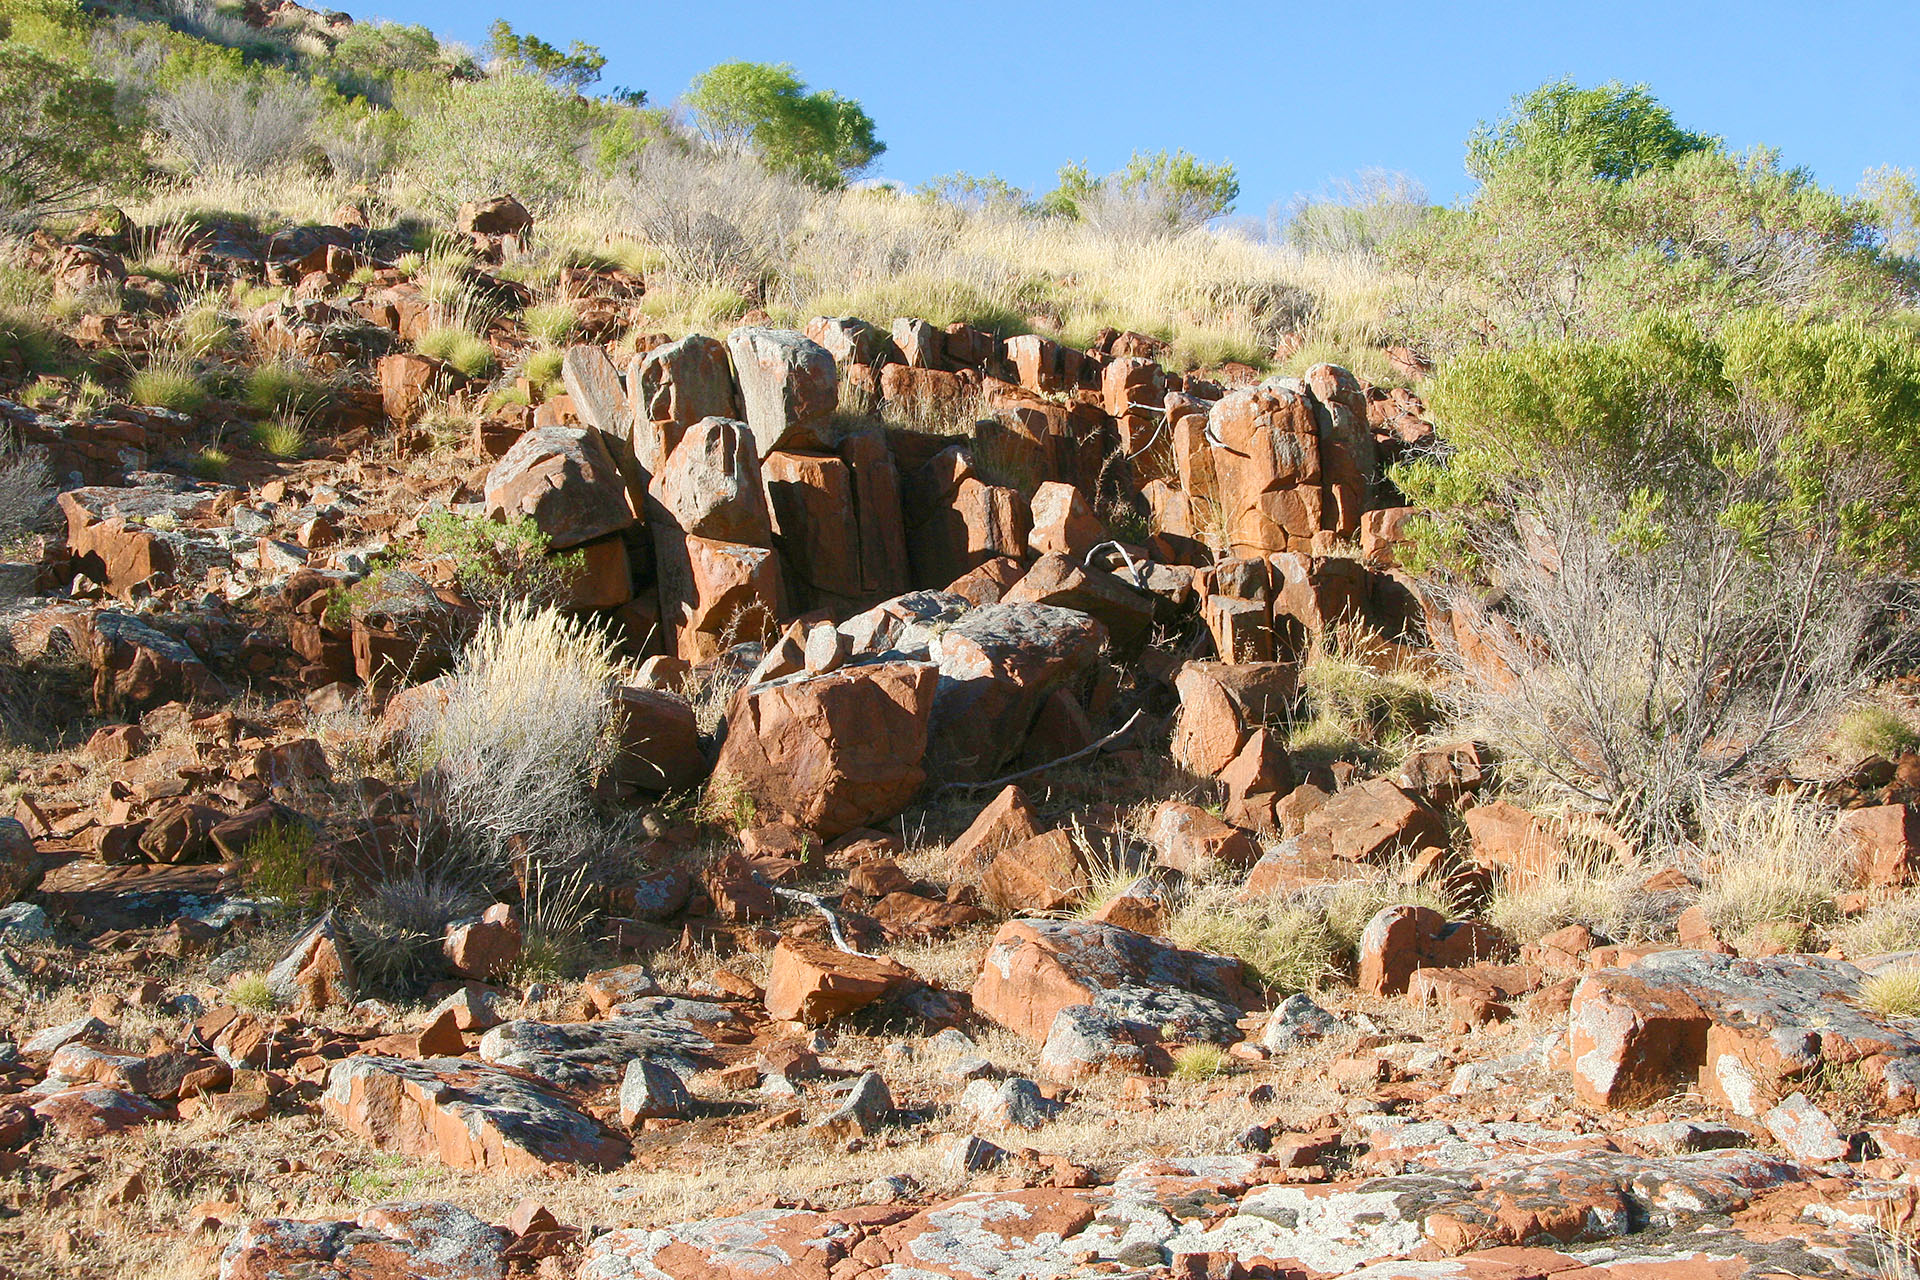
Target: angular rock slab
[(833, 752), (397, 1240), (1742, 1028), (467, 1115), (586, 1055), (1036, 968)]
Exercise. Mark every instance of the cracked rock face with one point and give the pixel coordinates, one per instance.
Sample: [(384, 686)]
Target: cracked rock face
[(468, 1115), (398, 1240), (582, 1055), (1743, 1029), (1036, 968)]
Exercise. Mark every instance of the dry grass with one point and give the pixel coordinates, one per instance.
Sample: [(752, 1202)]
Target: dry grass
[(1214, 295), (1768, 859), (1894, 993)]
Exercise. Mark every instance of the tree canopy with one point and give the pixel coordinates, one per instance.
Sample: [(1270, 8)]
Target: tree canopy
[(1613, 131), (767, 111)]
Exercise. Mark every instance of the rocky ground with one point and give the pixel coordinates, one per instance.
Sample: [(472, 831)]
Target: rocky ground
[(959, 753)]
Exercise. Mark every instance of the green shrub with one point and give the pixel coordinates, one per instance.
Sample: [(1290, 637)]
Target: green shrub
[(282, 438), (1894, 993), (462, 350), (504, 132), (277, 860), (551, 323), (282, 387), (1199, 1062), (251, 994), (543, 369), (1683, 525), (60, 137), (1875, 730), (167, 386), (210, 463), (497, 563)]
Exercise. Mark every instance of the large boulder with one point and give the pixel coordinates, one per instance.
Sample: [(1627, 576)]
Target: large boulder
[(1267, 469), (19, 862), (998, 665), (815, 524), (957, 522), (425, 1240), (674, 386), (1741, 1031), (1056, 580), (833, 752), (659, 741), (714, 594), (789, 388), (1036, 968), (1402, 939), (135, 664), (710, 484), (564, 480), (1373, 822), (467, 1115)]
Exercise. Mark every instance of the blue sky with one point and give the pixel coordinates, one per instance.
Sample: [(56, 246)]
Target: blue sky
[(1294, 94)]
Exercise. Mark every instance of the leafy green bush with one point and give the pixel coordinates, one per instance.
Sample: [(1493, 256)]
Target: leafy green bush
[(1681, 524), (506, 132), (497, 563), (60, 138), (1613, 132), (766, 110)]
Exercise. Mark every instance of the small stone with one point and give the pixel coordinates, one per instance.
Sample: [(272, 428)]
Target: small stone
[(867, 1107), (1013, 1103), (652, 1090), (1298, 1021)]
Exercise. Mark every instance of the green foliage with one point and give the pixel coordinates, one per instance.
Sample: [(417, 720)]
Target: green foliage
[(1781, 426), (252, 994), (60, 137), (282, 387), (573, 70), (507, 132), (766, 110), (281, 437), (1179, 189), (1196, 1062), (167, 386), (1614, 131), (463, 350), (1543, 254), (990, 193), (210, 463), (497, 563), (551, 323), (543, 368), (276, 861), (1874, 730), (1896, 194)]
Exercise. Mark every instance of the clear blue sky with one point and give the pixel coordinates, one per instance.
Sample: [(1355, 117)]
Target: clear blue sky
[(1294, 94)]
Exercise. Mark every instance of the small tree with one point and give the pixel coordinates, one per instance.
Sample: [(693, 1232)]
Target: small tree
[(766, 110), (507, 132), (1166, 191), (60, 138), (1659, 551), (579, 66), (1614, 131)]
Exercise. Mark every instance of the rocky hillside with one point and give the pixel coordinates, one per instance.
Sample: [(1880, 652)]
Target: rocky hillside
[(879, 800)]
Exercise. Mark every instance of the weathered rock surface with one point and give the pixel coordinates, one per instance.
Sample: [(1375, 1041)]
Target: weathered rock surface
[(834, 752), (467, 1115), (1035, 968)]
